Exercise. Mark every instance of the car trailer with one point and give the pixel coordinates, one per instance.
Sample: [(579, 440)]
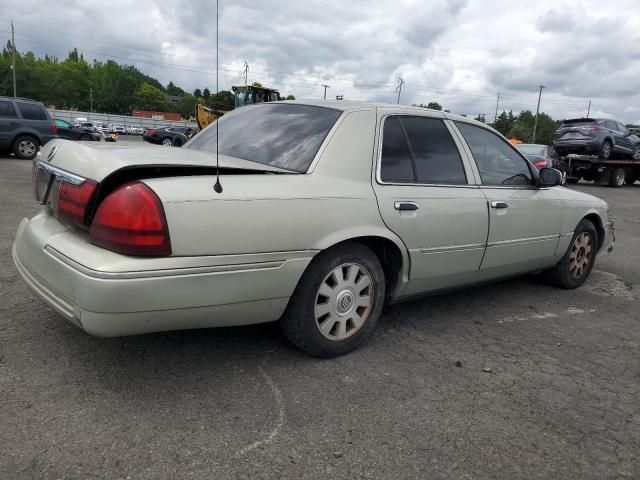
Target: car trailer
[(612, 172)]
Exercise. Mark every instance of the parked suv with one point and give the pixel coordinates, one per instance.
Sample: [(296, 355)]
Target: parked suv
[(596, 136), (25, 125)]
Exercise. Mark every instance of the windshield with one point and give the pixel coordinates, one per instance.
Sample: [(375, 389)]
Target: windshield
[(531, 149), (281, 135)]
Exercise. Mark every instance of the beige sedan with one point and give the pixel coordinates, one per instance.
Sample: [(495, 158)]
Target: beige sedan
[(326, 211)]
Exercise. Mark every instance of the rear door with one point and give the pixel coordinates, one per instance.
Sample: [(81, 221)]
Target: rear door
[(65, 130), (625, 141), (525, 221), (425, 194)]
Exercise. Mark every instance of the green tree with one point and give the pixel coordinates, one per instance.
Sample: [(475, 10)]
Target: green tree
[(148, 97), (290, 97), (256, 84), (197, 93), (174, 90), (186, 106), (505, 122), (434, 106), (224, 99), (206, 93)]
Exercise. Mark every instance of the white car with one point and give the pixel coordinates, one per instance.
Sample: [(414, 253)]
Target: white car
[(134, 130), (323, 212)]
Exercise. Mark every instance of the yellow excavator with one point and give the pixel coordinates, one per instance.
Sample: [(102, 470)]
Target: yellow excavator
[(243, 95)]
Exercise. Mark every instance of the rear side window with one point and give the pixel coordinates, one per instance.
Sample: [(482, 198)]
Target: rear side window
[(434, 152), (497, 161), (31, 111), (420, 150), (6, 109), (396, 158), (281, 135)]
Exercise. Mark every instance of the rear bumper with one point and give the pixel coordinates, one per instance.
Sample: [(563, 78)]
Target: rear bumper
[(108, 301), (577, 146)]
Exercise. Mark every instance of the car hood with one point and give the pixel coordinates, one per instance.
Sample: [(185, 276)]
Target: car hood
[(98, 161)]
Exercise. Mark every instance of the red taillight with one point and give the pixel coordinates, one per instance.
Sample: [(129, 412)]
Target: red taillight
[(593, 129), (131, 221), (54, 128), (542, 163), (74, 199)]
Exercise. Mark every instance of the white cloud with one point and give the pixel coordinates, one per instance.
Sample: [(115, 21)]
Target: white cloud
[(457, 52)]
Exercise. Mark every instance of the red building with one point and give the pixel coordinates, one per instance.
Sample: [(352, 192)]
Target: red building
[(157, 115)]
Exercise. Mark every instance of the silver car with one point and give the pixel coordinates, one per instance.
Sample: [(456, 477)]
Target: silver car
[(318, 215)]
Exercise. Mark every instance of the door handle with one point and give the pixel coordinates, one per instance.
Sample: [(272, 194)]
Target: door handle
[(406, 206), (499, 204)]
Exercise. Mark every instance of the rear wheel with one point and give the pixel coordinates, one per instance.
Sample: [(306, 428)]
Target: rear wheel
[(606, 149), (177, 142), (26, 147), (337, 302), (576, 265), (167, 142), (617, 178), (636, 153), (84, 137)]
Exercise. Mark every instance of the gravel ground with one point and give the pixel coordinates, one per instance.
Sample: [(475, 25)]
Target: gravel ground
[(517, 380)]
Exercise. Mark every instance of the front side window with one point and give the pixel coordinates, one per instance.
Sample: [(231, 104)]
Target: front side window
[(497, 161), (420, 150), (280, 135), (6, 109), (31, 111)]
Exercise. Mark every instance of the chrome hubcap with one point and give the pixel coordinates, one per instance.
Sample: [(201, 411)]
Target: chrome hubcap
[(581, 255), (636, 153), (620, 178), (606, 150), (166, 142), (344, 301), (27, 148)]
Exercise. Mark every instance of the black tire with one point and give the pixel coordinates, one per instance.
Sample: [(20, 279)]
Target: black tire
[(606, 150), (299, 322), (84, 137), (636, 153), (26, 147), (617, 177), (166, 141), (561, 275), (177, 142)]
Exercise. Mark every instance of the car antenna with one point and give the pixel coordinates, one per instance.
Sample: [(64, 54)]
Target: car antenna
[(218, 186)]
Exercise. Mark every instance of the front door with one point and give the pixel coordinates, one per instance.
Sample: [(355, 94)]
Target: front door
[(525, 221), (425, 198)]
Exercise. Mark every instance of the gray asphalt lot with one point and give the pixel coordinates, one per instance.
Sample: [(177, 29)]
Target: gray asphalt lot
[(516, 380)]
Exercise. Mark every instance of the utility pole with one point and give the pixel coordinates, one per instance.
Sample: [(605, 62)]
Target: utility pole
[(13, 60), (325, 90), (401, 82), (91, 100), (495, 117), (589, 109), (535, 122), (245, 71)]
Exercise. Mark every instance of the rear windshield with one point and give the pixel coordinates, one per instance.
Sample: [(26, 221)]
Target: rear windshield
[(281, 135), (531, 149), (578, 122)]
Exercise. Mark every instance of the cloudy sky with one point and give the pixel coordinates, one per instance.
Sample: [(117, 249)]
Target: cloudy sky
[(460, 53)]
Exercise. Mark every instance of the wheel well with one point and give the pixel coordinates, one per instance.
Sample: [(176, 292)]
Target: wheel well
[(597, 221), (25, 134), (389, 255)]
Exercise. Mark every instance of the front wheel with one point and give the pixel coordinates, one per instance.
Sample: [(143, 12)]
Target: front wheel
[(606, 149), (576, 265), (337, 302)]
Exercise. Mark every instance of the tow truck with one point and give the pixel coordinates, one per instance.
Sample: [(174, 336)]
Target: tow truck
[(243, 95), (613, 172)]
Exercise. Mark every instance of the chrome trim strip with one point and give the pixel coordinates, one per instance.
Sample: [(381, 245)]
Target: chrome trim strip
[(516, 241), (61, 174), (451, 248), (169, 272)]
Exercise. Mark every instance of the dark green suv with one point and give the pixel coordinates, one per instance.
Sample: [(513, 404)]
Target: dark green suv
[(25, 125)]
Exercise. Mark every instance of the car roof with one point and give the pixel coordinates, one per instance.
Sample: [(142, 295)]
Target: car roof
[(352, 105), (21, 99)]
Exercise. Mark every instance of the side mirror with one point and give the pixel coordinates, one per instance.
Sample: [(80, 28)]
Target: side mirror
[(549, 177)]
